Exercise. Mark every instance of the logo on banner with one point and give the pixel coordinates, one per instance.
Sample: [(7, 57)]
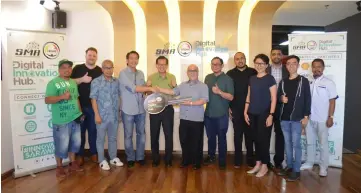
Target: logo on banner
[(29, 109), (30, 126), (38, 150), (300, 46), (31, 50), (311, 45), (51, 50), (50, 123), (185, 48)]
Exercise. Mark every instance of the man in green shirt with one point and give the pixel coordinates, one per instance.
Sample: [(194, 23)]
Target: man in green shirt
[(62, 94), (216, 120), (162, 79)]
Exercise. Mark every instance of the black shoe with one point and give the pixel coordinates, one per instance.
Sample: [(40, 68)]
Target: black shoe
[(284, 172), (278, 167), (141, 162), (196, 167), (131, 164), (251, 163), (168, 165), (183, 165), (222, 166), (155, 164), (270, 166), (209, 160), (293, 176)]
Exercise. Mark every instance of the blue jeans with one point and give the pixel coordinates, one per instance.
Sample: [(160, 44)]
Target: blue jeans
[(292, 133), (66, 139), (217, 126), (111, 128), (128, 123), (88, 124)]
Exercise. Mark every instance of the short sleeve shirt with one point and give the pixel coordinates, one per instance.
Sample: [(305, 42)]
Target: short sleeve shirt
[(64, 111), (107, 95), (217, 105), (260, 95), (158, 80), (322, 90), (197, 90)]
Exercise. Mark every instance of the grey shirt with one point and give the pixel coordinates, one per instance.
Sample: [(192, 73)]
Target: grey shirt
[(197, 90), (131, 101)]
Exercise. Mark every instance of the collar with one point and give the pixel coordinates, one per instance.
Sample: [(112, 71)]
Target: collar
[(221, 74), (235, 68), (194, 82), (319, 78), (102, 78), (160, 77), (276, 67), (130, 70)]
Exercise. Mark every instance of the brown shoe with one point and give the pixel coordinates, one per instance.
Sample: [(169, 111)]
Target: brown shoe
[(73, 166), (60, 172), (94, 158), (80, 160)]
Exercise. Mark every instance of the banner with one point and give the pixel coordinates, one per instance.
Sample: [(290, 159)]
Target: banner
[(331, 47), (32, 59)]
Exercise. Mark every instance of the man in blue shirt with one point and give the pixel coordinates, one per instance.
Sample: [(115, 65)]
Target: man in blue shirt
[(105, 95), (132, 86)]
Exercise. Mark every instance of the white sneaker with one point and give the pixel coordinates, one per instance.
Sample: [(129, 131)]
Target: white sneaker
[(116, 161), (323, 172), (104, 165), (306, 166)]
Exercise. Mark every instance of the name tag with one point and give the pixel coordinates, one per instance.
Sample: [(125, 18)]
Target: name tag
[(321, 86)]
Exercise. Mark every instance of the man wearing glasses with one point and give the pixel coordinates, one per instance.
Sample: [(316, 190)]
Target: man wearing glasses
[(162, 79), (105, 95), (191, 127), (216, 120)]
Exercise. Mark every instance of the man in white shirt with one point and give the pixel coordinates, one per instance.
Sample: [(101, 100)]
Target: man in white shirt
[(324, 95)]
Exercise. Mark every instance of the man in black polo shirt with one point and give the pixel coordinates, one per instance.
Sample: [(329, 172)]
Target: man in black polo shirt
[(83, 74), (240, 75)]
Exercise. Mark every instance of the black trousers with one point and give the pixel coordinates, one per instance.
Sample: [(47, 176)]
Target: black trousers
[(166, 118), (262, 136), (191, 140), (242, 128), (279, 144)]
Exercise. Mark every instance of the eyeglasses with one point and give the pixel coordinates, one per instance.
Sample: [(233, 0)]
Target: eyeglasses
[(259, 64)]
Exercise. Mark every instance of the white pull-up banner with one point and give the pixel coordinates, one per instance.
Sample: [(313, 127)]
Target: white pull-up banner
[(331, 47), (31, 62)]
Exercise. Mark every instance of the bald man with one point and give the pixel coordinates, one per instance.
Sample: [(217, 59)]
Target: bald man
[(191, 117), (105, 99), (240, 75)]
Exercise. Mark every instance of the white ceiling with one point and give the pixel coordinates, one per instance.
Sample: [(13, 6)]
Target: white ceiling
[(314, 13)]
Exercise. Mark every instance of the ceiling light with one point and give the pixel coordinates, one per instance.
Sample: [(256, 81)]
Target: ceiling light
[(308, 32), (284, 43)]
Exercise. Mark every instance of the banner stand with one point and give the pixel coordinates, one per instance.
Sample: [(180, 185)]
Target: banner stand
[(331, 47), (30, 63)]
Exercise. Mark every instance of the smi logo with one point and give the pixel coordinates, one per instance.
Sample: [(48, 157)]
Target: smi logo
[(51, 50), (31, 50)]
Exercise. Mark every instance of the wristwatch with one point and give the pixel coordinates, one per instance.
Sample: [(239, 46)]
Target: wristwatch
[(271, 114), (330, 117)]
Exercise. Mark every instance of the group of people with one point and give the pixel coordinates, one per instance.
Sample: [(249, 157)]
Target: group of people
[(88, 98)]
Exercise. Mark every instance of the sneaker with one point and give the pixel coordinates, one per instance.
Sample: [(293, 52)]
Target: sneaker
[(306, 166), (141, 162), (74, 166), (284, 172), (323, 172), (60, 172), (104, 165), (222, 166), (209, 160), (131, 164), (116, 161), (293, 176)]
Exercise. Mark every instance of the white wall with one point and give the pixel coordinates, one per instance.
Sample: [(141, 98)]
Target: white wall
[(89, 27)]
